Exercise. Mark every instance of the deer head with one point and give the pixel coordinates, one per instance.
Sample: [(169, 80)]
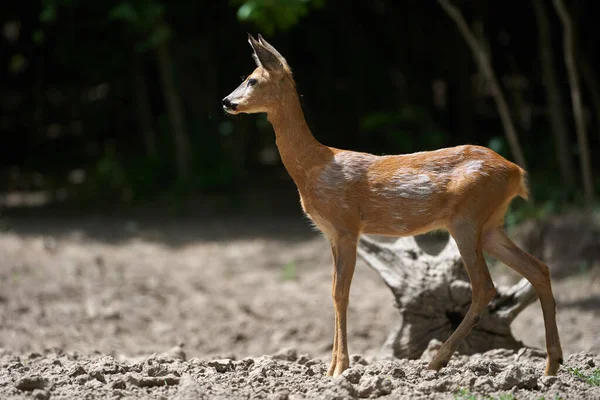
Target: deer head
[(262, 90)]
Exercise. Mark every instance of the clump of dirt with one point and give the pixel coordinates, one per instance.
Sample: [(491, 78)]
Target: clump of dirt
[(289, 375)]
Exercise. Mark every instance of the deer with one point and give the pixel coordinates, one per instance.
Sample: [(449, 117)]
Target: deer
[(465, 190)]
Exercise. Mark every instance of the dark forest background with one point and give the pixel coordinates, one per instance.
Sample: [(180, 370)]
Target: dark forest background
[(117, 103)]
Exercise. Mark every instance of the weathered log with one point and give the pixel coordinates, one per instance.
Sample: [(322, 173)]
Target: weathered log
[(433, 295)]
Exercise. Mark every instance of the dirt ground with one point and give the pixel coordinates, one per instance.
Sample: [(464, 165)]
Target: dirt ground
[(106, 307)]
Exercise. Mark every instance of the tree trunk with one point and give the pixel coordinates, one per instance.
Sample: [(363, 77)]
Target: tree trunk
[(568, 39), (557, 119), (591, 82), (433, 295), (174, 108), (142, 106), (588, 75), (486, 70)]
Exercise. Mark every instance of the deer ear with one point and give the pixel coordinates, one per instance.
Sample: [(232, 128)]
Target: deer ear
[(263, 56), (273, 50)]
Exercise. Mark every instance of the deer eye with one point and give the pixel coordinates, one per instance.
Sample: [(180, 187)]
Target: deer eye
[(252, 82)]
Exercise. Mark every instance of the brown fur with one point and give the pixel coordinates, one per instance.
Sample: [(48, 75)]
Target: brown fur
[(465, 190)]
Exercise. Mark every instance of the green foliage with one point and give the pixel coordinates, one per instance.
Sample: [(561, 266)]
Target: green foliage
[(464, 394), (38, 36), (270, 16), (109, 172), (143, 18), (528, 210), (125, 12), (506, 396), (50, 9), (289, 271), (499, 145), (593, 378)]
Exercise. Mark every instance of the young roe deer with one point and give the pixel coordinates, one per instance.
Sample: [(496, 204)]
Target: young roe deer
[(465, 190)]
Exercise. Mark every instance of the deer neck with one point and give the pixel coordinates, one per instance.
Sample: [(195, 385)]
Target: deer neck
[(299, 149)]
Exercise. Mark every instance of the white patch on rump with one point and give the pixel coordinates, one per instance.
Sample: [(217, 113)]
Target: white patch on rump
[(472, 167)]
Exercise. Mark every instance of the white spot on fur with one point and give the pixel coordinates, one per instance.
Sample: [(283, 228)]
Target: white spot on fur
[(345, 168), (409, 185), (472, 167)]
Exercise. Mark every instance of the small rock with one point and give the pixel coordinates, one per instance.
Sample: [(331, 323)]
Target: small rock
[(82, 379), (244, 364), (222, 365), (15, 366), (311, 362), (548, 381), (97, 375), (429, 374), (287, 354), (442, 386), (149, 381), (134, 379), (273, 372), (508, 378), (117, 384), (483, 382), (396, 372), (374, 386), (283, 395), (40, 394), (76, 370), (94, 384), (431, 350), (311, 371), (303, 359), (31, 382), (357, 359), (34, 355), (353, 375), (108, 365), (591, 363), (155, 369)]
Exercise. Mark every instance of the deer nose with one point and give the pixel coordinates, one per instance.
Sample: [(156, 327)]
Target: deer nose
[(228, 104)]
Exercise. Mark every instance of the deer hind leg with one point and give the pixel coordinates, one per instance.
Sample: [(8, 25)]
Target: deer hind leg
[(468, 238), (344, 250), (334, 350), (499, 246)]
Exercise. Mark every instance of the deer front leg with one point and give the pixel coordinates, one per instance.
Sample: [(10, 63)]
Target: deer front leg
[(344, 261), (331, 369), (334, 350)]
